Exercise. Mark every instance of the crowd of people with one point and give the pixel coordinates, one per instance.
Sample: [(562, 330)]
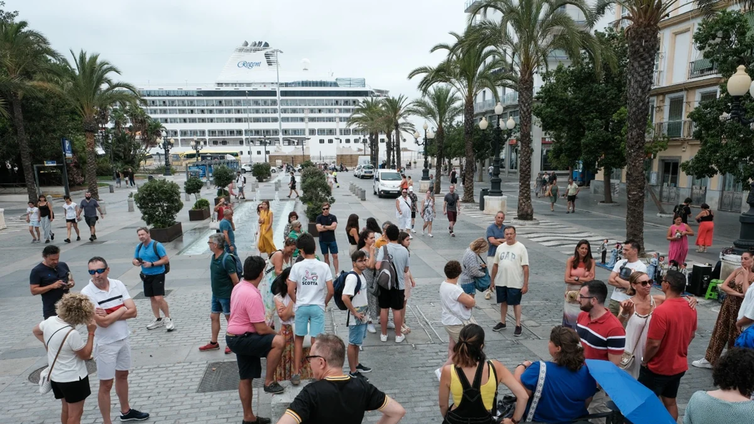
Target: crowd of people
[(41, 214)]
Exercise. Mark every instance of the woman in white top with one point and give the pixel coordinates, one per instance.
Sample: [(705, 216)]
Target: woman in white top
[(32, 217), (456, 307), (69, 377), (286, 311), (71, 212)]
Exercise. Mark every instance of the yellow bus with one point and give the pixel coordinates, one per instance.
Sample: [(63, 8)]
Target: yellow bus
[(190, 157)]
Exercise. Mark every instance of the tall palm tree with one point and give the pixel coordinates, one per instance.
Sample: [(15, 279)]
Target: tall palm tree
[(397, 111), (469, 68), (88, 87), (440, 106), (25, 58), (527, 33), (366, 117)]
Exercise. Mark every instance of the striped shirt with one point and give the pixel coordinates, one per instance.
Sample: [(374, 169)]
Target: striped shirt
[(601, 336), (110, 300)]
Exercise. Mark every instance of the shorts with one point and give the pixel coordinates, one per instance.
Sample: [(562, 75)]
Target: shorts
[(91, 220), (311, 317), (508, 295), (469, 288), (662, 385), (240, 190), (571, 198), (249, 347), (328, 247), (72, 220), (154, 285), (413, 214), (356, 334), (454, 331), (72, 391), (111, 357), (219, 305), (293, 186), (614, 307), (34, 224), (391, 299), (452, 216)]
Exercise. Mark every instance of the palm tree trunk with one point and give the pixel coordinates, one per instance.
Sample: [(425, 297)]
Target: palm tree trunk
[(606, 173), (23, 146), (526, 94), (642, 47), (440, 140), (468, 136), (397, 146), (91, 165), (374, 141), (388, 149)]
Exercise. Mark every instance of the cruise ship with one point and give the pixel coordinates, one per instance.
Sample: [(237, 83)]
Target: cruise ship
[(260, 110)]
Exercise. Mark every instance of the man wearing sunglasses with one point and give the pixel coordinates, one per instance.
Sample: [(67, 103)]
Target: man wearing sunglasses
[(112, 349), (336, 397), (327, 223)]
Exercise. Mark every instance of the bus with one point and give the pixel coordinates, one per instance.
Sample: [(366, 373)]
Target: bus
[(190, 157)]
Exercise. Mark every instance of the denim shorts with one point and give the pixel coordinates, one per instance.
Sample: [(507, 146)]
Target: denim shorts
[(469, 288), (356, 334), (311, 318), (328, 247), (220, 306)]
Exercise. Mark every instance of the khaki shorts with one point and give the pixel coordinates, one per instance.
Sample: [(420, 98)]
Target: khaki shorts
[(454, 331)]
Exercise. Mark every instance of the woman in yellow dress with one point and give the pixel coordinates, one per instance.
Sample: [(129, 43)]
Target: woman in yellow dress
[(265, 243)]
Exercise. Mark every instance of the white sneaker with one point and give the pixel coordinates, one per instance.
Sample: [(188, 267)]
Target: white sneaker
[(156, 323), (410, 237), (169, 325), (438, 373), (371, 329), (401, 338), (702, 363), (390, 325), (413, 231), (430, 235), (383, 337)]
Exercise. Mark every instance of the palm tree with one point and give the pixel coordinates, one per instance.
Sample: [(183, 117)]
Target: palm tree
[(527, 33), (88, 87), (25, 58), (397, 110), (440, 106), (469, 68), (366, 117)]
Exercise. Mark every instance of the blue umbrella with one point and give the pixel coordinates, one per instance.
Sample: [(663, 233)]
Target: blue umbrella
[(634, 400)]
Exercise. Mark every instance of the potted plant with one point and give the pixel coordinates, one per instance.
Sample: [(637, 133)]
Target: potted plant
[(261, 170), (159, 202), (222, 177), (200, 211), (316, 192)]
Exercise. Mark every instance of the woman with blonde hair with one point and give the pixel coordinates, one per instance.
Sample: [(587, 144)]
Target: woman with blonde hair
[(67, 351), (474, 267), (265, 243)]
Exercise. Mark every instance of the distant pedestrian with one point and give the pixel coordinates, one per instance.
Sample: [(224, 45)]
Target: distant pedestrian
[(453, 177), (428, 212), (678, 236), (220, 208), (489, 170), (295, 233), (265, 242), (116, 176), (683, 210), (71, 210), (46, 216), (51, 278), (552, 193), (603, 251), (152, 257), (571, 191), (327, 223), (621, 272), (510, 278), (706, 228), (131, 177), (358, 307), (670, 333), (451, 209), (580, 269), (32, 218), (90, 207), (112, 346), (410, 181), (538, 184), (414, 204), (432, 183), (292, 216), (335, 178), (227, 230), (404, 182), (292, 186), (240, 184), (223, 276), (404, 239), (403, 207)]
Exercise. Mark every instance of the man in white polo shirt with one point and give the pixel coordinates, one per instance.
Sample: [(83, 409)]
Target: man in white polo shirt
[(622, 270), (112, 351)]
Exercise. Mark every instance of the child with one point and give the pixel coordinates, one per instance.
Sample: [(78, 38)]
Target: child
[(358, 306), (32, 217), (603, 250), (654, 264), (614, 256)]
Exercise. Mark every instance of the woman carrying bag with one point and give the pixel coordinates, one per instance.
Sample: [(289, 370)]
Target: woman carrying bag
[(475, 275)]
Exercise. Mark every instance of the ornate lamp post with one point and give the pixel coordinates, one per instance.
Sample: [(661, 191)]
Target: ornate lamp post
[(166, 145), (737, 86), (197, 145), (428, 135), (495, 189)]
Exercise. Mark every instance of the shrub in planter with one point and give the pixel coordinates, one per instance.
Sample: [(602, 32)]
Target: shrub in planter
[(222, 177), (316, 192), (194, 186), (159, 202), (201, 204), (200, 211), (261, 170)]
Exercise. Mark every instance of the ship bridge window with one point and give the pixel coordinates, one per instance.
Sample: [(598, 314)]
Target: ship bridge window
[(321, 141), (329, 141)]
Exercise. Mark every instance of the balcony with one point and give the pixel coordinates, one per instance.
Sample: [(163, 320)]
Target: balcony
[(469, 4), (675, 129), (510, 99), (484, 106), (701, 68)]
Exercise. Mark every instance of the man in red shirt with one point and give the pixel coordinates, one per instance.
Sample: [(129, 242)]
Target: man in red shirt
[(602, 335), (250, 338), (670, 333)]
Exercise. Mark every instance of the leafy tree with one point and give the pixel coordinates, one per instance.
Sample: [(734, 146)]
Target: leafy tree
[(159, 202), (527, 33), (261, 170), (315, 191), (193, 185), (222, 177), (725, 147)]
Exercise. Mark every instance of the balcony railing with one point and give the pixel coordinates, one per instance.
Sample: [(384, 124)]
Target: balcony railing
[(484, 106), (657, 78), (701, 68), (675, 129)]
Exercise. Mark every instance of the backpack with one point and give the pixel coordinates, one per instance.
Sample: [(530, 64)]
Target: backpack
[(154, 246), (387, 277), (679, 209), (339, 284), (237, 261)]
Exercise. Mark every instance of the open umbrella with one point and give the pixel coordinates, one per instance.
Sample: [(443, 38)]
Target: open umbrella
[(635, 401)]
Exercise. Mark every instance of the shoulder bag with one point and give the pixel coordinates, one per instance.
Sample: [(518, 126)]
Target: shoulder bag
[(482, 283), (45, 385), (627, 359), (537, 395)]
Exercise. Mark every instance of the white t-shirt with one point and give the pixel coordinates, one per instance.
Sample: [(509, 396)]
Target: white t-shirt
[(240, 181), (359, 300), (33, 214), (110, 301), (285, 301), (747, 307), (311, 277), (452, 310), (68, 367), (510, 260), (619, 293), (70, 210)]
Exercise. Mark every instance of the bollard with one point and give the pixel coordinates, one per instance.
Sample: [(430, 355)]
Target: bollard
[(363, 194), (112, 188), (188, 197), (2, 219), (130, 204)]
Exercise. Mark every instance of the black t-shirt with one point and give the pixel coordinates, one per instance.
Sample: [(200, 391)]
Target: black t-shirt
[(341, 400), (44, 276), (293, 180), (328, 235)]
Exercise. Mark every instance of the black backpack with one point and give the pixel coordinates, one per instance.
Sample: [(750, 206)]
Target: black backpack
[(154, 246), (339, 284)]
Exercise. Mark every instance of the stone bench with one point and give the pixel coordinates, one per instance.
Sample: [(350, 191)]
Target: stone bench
[(281, 402)]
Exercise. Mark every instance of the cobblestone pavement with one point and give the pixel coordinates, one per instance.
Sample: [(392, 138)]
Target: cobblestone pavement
[(168, 368)]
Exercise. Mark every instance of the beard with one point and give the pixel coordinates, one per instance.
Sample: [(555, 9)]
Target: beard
[(586, 308)]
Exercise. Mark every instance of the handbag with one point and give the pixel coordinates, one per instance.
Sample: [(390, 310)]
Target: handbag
[(746, 339), (627, 359), (482, 283), (45, 385)]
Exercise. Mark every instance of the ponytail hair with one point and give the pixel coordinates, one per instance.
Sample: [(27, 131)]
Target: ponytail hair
[(468, 350)]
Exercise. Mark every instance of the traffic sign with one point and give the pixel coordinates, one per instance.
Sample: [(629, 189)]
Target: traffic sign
[(67, 149), (50, 163)]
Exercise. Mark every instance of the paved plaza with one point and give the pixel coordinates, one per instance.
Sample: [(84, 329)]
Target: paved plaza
[(176, 383)]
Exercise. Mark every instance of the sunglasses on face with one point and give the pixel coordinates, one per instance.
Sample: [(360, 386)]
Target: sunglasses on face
[(98, 271), (644, 283), (325, 209)]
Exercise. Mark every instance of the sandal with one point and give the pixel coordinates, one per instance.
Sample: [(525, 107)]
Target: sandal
[(405, 329)]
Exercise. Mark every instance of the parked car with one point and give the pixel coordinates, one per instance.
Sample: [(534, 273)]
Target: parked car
[(356, 171), (365, 171), (386, 182), (246, 167)]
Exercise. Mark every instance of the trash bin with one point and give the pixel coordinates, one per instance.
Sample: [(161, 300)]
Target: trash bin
[(483, 192)]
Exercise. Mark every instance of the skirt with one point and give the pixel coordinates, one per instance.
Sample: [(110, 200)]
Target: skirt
[(284, 371)]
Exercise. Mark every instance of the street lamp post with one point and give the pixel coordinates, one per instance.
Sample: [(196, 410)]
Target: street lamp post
[(428, 135), (197, 145), (737, 86), (264, 143), (166, 145), (495, 188)]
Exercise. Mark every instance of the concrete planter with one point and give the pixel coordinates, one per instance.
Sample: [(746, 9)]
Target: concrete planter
[(165, 235), (198, 214), (312, 229)]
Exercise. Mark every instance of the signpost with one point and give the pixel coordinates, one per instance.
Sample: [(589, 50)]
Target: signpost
[(67, 158)]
